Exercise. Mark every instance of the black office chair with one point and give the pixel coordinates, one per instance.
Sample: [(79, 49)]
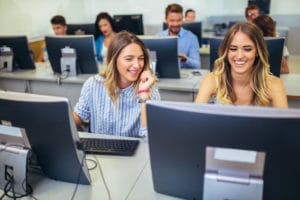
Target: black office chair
[(274, 45)]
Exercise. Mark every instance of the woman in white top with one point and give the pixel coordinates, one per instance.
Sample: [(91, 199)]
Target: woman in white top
[(105, 30), (241, 74)]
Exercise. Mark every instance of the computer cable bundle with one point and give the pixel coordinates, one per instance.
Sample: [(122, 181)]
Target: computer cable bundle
[(9, 188), (64, 74)]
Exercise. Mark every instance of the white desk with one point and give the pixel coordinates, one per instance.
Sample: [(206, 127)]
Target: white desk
[(144, 188), (120, 173), (127, 178), (43, 81)]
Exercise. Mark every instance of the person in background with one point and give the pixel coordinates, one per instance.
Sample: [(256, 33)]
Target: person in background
[(190, 15), (114, 101), (104, 34), (59, 27), (268, 27), (251, 12), (188, 45), (241, 74)]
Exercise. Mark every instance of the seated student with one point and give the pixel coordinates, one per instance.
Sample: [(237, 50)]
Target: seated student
[(241, 74), (251, 12), (59, 27), (188, 45), (114, 100), (190, 15), (268, 27), (105, 30)]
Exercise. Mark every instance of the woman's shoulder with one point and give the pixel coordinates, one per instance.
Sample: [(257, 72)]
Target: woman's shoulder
[(95, 79), (210, 78), (275, 84)]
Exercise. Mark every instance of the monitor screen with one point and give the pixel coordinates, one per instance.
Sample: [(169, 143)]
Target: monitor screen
[(51, 132), (81, 29), (86, 62), (167, 61), (194, 27), (275, 49), (264, 5), (22, 55), (132, 23), (180, 132)]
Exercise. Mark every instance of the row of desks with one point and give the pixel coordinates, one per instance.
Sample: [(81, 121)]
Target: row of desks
[(43, 81)]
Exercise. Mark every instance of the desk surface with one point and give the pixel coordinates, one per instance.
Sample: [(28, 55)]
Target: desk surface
[(126, 178), (38, 81)]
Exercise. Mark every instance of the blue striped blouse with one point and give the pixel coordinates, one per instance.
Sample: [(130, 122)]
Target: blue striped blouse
[(95, 106)]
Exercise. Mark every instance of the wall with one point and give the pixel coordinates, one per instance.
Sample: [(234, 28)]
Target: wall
[(31, 17)]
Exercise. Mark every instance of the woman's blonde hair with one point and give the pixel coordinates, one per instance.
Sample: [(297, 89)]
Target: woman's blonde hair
[(111, 74), (261, 68)]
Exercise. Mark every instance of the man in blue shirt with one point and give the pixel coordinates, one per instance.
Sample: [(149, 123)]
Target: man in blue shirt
[(188, 46)]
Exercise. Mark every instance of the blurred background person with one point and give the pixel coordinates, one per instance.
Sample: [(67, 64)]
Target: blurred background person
[(188, 45), (105, 30), (251, 12), (190, 15), (268, 27), (59, 27)]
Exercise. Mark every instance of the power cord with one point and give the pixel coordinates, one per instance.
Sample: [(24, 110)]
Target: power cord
[(78, 177), (94, 162), (64, 74), (9, 186)]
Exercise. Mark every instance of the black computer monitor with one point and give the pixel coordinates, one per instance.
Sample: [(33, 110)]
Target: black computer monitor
[(81, 29), (194, 27), (22, 55), (132, 23), (51, 132), (86, 62), (167, 61), (275, 49), (180, 132), (264, 5)]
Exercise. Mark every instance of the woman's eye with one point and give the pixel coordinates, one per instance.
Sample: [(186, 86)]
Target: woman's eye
[(248, 48), (232, 48)]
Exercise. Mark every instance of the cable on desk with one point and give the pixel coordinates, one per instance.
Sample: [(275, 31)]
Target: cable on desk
[(104, 181), (136, 180), (27, 87), (64, 74), (9, 186), (94, 162), (78, 177)]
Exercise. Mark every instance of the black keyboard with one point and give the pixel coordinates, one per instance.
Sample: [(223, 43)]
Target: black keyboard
[(109, 146)]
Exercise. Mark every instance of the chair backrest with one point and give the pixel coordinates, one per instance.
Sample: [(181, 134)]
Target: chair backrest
[(274, 44)]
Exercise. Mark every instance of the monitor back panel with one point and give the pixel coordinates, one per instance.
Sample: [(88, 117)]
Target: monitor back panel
[(85, 51), (55, 147), (84, 29), (178, 139), (167, 64), (22, 58)]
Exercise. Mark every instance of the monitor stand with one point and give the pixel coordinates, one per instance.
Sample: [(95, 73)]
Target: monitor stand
[(233, 174)]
